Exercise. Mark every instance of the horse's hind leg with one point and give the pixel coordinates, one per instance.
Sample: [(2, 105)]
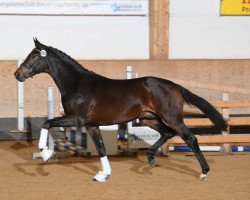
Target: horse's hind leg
[(166, 133), (152, 150), (192, 142)]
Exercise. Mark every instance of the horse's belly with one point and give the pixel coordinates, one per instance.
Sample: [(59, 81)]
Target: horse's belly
[(114, 114)]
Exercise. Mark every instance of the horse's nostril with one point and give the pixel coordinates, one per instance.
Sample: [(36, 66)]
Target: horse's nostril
[(16, 74)]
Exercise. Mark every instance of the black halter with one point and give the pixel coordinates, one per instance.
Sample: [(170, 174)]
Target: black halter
[(43, 56)]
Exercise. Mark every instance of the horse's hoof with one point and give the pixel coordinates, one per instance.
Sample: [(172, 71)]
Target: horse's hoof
[(202, 177), (152, 163), (100, 177)]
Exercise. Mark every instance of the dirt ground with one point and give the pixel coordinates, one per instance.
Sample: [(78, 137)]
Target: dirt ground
[(175, 177)]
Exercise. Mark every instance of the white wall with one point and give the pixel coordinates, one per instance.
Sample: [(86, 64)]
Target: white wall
[(198, 31), (82, 37)]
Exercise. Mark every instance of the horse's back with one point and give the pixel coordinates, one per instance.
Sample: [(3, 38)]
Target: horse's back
[(149, 93), (145, 89)]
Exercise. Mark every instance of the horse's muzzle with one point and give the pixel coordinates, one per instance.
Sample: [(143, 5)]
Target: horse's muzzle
[(20, 75)]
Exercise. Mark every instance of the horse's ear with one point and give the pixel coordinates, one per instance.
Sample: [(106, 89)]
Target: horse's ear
[(37, 43)]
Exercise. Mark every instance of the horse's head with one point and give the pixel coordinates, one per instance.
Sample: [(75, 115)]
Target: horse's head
[(35, 63)]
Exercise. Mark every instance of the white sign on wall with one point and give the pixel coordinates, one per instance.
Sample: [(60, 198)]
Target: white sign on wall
[(84, 29), (74, 7), (198, 31)]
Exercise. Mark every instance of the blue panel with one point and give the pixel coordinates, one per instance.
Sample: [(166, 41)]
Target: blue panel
[(73, 136)]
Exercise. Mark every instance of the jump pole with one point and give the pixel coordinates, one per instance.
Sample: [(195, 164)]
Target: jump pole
[(50, 116), (225, 148), (20, 106), (211, 148), (50, 103), (73, 150), (129, 76), (129, 72), (61, 109)]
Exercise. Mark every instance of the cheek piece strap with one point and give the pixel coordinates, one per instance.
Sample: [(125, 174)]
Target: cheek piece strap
[(43, 54)]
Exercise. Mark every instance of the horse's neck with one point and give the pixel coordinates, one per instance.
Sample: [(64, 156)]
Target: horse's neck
[(65, 76)]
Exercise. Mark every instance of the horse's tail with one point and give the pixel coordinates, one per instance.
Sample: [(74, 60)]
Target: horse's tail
[(205, 107)]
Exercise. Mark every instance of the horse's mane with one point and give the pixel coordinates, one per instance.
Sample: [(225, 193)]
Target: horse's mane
[(65, 57)]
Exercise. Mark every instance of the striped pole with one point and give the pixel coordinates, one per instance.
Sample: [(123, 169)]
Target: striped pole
[(69, 147), (211, 148)]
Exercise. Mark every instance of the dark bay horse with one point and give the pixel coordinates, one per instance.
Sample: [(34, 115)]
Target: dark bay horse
[(91, 100)]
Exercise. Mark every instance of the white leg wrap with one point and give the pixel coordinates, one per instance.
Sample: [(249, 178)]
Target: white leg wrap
[(102, 176), (43, 139), (46, 154), (105, 165)]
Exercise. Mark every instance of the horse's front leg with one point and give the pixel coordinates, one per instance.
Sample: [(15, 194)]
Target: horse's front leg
[(64, 121), (95, 134)]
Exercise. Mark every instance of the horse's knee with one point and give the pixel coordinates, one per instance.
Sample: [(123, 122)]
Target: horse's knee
[(46, 125)]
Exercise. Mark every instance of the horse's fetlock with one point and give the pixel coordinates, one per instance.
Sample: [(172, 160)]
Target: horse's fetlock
[(207, 169), (150, 155)]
